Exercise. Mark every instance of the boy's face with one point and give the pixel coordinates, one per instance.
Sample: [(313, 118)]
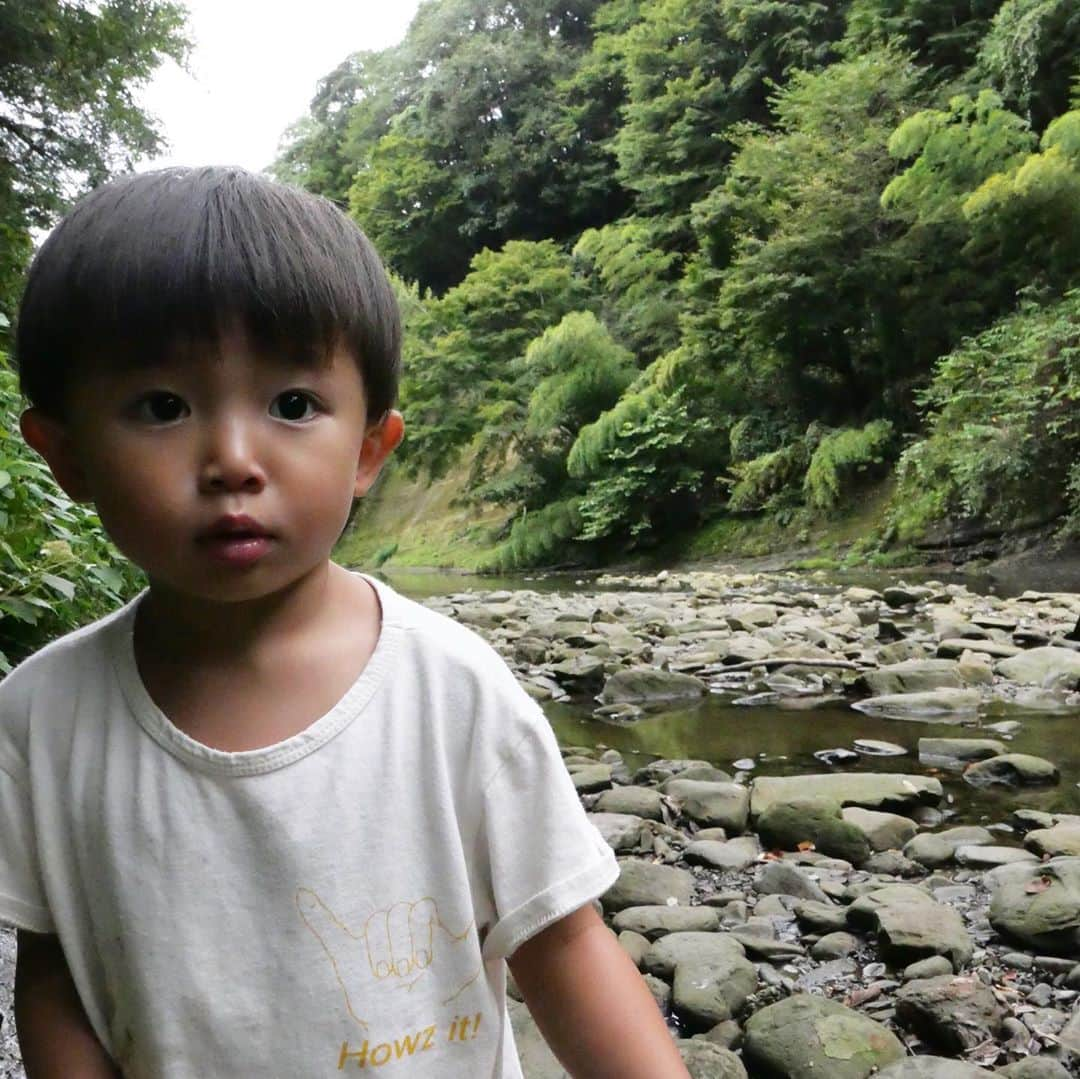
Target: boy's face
[(226, 476)]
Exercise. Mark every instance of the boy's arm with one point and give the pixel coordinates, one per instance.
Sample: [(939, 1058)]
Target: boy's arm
[(55, 1037), (591, 1004)]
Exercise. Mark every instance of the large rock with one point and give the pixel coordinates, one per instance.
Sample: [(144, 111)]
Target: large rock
[(650, 685), (1012, 770), (661, 770), (639, 801), (1040, 1067), (1061, 840), (880, 790), (788, 825), (1038, 905), (711, 988), (665, 955), (910, 931), (951, 1014), (1047, 667), (655, 922), (712, 805), (781, 878), (862, 913), (957, 703), (956, 751), (707, 1060), (912, 676), (590, 778), (739, 853), (810, 1037), (934, 849), (883, 831), (621, 831), (642, 884)]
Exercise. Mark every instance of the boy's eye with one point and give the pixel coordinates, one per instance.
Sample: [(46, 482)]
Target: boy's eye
[(161, 407), (292, 405)]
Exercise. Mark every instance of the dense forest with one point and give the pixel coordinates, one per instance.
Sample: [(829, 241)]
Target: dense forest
[(665, 262)]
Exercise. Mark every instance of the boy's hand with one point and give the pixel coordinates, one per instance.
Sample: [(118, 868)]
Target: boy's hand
[(591, 1003), (55, 1037)]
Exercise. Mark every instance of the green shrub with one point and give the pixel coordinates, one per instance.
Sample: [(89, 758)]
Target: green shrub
[(760, 481), (1003, 416), (844, 456), (540, 537), (58, 569)]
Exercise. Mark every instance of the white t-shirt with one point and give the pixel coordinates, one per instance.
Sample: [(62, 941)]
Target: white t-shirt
[(342, 901)]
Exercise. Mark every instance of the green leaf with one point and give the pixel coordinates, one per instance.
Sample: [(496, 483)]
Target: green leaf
[(60, 584)]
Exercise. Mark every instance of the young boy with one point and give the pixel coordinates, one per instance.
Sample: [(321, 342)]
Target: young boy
[(271, 818)]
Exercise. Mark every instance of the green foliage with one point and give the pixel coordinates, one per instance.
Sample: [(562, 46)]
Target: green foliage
[(694, 68), (800, 248), (588, 373), (648, 479), (57, 568), (844, 457), (953, 152), (638, 283), (70, 75), (465, 136), (1031, 55), (464, 366), (1004, 426), (944, 35), (769, 480), (782, 214), (1026, 219), (541, 537)]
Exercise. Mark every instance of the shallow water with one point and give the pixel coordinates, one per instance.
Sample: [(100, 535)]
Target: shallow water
[(783, 741)]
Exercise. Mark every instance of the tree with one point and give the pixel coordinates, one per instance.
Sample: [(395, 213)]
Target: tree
[(69, 72), (460, 138), (808, 284), (943, 35), (1032, 54), (465, 365), (694, 69)]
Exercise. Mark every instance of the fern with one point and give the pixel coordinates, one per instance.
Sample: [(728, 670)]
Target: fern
[(843, 455)]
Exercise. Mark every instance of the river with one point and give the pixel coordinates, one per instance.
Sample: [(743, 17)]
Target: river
[(782, 740)]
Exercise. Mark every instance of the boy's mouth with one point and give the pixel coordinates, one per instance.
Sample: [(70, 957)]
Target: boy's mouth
[(237, 540), (234, 527)]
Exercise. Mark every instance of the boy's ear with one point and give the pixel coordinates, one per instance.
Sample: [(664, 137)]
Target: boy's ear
[(379, 442), (50, 438)]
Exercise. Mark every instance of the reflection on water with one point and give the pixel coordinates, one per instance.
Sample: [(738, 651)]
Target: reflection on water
[(784, 741), (720, 732)]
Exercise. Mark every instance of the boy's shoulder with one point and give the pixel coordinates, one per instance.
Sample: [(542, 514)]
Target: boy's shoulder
[(438, 635), (71, 669), (62, 660), (440, 645)]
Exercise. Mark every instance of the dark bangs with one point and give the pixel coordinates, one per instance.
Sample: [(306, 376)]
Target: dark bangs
[(156, 261)]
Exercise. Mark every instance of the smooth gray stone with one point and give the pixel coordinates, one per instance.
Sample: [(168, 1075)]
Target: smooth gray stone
[(878, 790), (642, 884), (811, 1037)]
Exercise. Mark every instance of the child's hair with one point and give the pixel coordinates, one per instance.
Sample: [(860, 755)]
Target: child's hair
[(156, 261)]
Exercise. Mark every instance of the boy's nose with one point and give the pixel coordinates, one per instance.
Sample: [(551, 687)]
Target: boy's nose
[(230, 462)]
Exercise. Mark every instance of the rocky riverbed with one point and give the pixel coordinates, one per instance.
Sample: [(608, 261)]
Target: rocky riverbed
[(833, 923), (838, 922)]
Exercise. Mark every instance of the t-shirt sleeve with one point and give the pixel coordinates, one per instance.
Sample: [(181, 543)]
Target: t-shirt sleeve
[(545, 858), (22, 899)]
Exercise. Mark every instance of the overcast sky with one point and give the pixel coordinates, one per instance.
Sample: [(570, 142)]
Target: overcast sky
[(254, 67)]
